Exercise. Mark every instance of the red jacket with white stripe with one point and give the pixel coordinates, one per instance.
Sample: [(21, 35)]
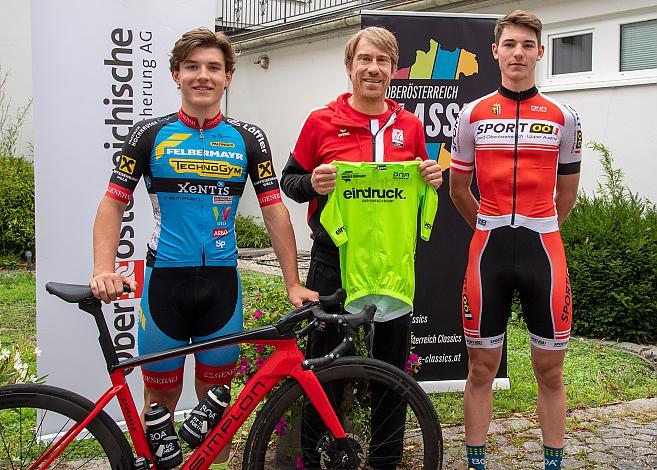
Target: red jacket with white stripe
[(339, 132)]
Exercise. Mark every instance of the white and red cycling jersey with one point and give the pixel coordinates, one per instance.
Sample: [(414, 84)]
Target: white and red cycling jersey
[(518, 142)]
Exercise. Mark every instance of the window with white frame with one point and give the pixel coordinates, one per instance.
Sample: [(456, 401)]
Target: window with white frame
[(572, 53), (638, 45), (609, 50)]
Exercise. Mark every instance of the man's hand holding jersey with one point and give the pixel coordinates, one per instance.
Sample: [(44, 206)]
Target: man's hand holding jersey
[(323, 178), (431, 172)]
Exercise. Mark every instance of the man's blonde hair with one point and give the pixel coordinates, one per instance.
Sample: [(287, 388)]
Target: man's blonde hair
[(380, 37), (202, 37), (522, 18)]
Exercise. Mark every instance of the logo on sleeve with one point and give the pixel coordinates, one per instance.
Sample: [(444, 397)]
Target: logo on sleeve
[(127, 164), (265, 170)]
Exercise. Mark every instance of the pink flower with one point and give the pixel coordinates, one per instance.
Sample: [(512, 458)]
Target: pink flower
[(299, 463), (281, 428), (259, 362), (260, 348), (257, 314), (244, 365), (412, 364)]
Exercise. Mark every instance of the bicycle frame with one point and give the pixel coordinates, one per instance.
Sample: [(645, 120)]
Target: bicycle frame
[(286, 361)]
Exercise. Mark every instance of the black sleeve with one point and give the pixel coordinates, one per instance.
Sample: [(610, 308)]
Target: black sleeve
[(134, 159), (259, 163), (295, 182)]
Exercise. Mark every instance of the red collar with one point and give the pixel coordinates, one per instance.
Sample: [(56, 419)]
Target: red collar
[(192, 122)]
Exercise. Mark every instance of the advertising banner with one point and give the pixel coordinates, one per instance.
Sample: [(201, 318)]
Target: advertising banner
[(445, 62), (98, 68)]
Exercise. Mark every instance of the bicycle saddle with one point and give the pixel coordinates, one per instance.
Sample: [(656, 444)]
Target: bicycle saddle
[(71, 293)]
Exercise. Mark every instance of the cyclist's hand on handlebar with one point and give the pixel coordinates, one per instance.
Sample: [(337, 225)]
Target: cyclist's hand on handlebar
[(299, 294), (108, 286)]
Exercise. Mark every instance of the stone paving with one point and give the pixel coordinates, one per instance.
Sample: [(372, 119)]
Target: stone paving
[(263, 260), (622, 436)]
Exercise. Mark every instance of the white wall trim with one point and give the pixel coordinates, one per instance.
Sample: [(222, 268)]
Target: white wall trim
[(589, 85), (442, 386)]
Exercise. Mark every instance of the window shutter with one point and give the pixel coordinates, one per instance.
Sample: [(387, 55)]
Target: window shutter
[(638, 48)]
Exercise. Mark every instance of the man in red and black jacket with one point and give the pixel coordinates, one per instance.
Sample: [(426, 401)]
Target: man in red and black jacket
[(358, 126)]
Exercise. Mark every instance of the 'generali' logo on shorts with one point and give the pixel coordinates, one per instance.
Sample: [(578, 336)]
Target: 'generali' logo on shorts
[(132, 269), (160, 380)]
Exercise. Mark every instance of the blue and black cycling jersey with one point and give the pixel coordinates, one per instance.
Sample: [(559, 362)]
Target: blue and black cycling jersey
[(195, 177)]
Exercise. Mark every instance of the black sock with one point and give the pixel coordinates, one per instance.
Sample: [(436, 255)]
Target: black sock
[(476, 457), (552, 457)]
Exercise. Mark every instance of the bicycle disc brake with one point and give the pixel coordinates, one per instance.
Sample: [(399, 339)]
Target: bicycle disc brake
[(344, 454)]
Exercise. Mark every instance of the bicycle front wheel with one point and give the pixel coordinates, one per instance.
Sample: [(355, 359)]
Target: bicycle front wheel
[(389, 421), (33, 416)]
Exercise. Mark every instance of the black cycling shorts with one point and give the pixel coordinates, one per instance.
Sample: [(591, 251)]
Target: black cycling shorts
[(507, 259), (189, 304)]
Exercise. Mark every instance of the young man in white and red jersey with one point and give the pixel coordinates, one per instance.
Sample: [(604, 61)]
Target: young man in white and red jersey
[(194, 164), (526, 149), (358, 126)]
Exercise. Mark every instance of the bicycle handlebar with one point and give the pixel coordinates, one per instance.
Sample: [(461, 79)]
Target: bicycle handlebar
[(347, 324)]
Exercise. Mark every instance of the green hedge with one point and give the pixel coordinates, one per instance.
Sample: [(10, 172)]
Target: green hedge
[(17, 206), (250, 233), (611, 243)]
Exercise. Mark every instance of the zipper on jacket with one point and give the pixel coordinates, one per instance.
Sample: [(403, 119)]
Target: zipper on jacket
[(391, 120), (515, 159)]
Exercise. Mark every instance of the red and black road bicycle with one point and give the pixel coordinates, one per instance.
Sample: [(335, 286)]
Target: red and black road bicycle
[(339, 388)]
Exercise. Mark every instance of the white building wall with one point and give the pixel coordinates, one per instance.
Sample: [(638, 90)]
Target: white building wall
[(299, 78), (616, 110), (16, 59)]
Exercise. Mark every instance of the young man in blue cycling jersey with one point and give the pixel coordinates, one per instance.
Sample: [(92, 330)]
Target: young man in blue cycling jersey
[(194, 164)]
